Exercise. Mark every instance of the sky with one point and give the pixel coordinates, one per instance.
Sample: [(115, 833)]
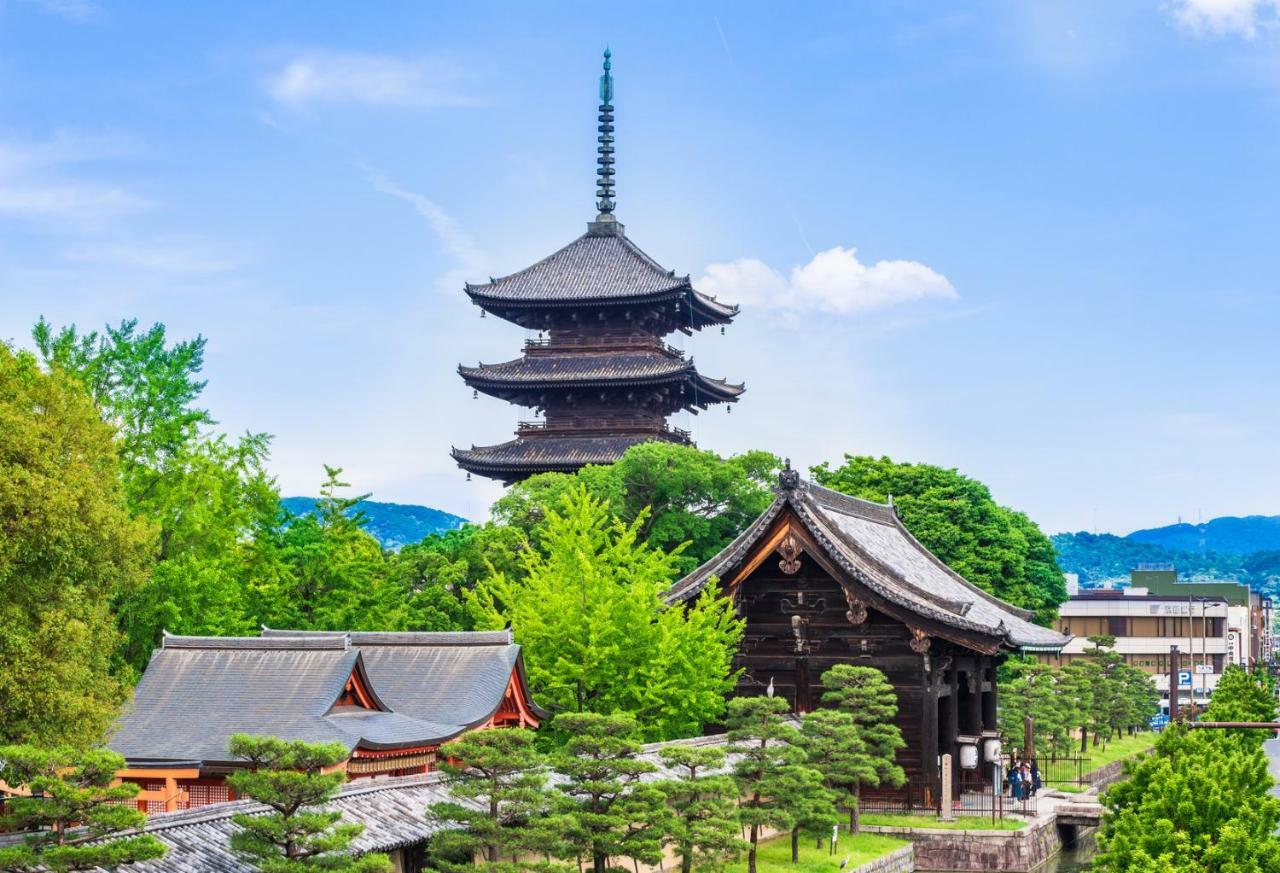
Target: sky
[(1032, 241)]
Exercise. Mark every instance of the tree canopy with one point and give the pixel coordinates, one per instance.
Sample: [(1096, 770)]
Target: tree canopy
[(955, 517)]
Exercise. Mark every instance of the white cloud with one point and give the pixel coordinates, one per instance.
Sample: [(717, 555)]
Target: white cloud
[(455, 241), (78, 11), (833, 281), (169, 256), (1226, 17), (378, 80), (36, 183)]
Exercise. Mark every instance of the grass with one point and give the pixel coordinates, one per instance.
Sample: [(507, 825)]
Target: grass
[(961, 823), (774, 855), (1117, 749)]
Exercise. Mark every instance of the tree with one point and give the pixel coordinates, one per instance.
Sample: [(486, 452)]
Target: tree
[(680, 495), (497, 780), (956, 518), (765, 746), (1031, 689), (68, 546), (607, 811), (295, 779), (702, 798), (596, 633), (834, 747), (811, 805), (870, 700), (81, 821)]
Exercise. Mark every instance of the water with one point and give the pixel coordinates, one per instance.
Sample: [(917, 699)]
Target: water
[(1074, 858)]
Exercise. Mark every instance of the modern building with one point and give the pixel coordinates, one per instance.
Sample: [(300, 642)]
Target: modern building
[(599, 373), (1146, 626), (1249, 633), (391, 699), (823, 578)]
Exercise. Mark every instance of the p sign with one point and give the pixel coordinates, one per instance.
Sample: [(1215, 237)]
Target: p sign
[(1184, 678)]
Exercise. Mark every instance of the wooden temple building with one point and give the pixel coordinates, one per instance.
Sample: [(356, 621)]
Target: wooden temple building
[(391, 698), (599, 372), (823, 578)]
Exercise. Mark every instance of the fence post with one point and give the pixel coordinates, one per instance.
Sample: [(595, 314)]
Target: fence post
[(945, 811)]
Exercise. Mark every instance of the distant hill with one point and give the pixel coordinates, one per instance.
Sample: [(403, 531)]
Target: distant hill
[(1244, 549), (393, 524), (1228, 535)]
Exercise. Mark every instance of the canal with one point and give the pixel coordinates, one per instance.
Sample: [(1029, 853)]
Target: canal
[(1074, 858)]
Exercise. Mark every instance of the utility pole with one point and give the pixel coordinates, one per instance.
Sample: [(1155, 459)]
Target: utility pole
[(1173, 684)]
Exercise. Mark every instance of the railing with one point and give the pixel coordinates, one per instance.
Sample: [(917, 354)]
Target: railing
[(609, 426), (604, 344), (969, 799)]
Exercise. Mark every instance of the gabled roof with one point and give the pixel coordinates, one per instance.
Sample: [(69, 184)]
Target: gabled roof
[(198, 691), (598, 268), (869, 542)]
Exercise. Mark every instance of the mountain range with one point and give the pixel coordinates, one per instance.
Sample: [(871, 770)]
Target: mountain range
[(392, 524)]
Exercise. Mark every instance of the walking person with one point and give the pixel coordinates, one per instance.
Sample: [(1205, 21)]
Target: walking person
[(1015, 780), (1036, 784)]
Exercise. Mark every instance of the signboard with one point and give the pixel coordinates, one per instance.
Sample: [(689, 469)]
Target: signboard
[(1204, 668), (1184, 678), (1158, 722)]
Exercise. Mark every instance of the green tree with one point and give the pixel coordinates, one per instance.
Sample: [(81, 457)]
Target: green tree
[(702, 798), (1031, 689), (956, 518), (870, 700), (833, 744), (801, 791), (597, 637), (79, 819), (608, 811), (766, 747), (678, 494), (295, 780), (68, 547), (498, 783)]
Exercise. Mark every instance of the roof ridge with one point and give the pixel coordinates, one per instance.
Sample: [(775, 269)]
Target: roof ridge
[(274, 642)]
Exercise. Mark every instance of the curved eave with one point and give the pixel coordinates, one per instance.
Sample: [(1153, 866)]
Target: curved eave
[(707, 311)]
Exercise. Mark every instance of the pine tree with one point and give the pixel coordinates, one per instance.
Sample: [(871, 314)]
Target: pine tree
[(295, 779), (498, 782), (765, 743), (799, 790), (834, 747), (607, 811), (867, 696), (702, 798), (72, 808)]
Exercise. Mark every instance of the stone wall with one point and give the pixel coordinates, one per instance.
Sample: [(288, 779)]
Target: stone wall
[(898, 861), (1104, 776), (1013, 851)]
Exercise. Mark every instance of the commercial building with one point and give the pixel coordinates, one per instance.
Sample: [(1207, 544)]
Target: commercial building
[(1249, 637)]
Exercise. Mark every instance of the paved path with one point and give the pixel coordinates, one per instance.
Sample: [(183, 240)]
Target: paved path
[(1272, 748)]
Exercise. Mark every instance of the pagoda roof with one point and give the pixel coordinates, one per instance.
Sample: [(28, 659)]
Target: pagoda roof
[(868, 541), (601, 267), (525, 455), (595, 369)]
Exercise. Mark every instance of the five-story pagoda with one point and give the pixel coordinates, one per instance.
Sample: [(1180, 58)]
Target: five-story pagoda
[(602, 377)]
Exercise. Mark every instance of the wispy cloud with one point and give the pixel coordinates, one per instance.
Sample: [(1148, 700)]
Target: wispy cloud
[(371, 79), (834, 281), (454, 240), (78, 11), (173, 256), (1226, 17), (37, 182)]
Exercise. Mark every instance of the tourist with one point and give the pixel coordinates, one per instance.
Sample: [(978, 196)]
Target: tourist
[(1025, 774), (1015, 781), (1036, 784)]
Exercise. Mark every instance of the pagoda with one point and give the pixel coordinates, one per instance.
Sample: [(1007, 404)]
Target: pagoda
[(599, 372)]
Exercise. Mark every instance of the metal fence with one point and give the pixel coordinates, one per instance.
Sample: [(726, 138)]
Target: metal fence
[(970, 798)]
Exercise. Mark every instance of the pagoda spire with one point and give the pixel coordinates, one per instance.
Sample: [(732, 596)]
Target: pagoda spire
[(604, 168)]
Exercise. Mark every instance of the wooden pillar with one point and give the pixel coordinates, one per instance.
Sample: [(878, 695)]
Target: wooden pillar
[(928, 723), (988, 697), (953, 712), (973, 718), (170, 794), (803, 704)]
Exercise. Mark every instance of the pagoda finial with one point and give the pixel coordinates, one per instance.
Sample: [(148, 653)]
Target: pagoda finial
[(604, 169)]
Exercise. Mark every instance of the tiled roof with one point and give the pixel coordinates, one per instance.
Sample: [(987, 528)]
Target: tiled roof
[(547, 453), (199, 691), (601, 369), (869, 541), (595, 268)]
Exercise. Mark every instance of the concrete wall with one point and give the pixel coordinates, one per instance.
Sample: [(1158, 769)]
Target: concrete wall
[(1013, 851), (898, 861)]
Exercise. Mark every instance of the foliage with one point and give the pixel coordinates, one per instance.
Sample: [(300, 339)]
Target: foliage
[(767, 748), (607, 810), (295, 779), (956, 518), (597, 636), (1028, 688), (72, 808), (676, 494), (832, 741), (868, 697), (1103, 696), (68, 546), (499, 788), (703, 826)]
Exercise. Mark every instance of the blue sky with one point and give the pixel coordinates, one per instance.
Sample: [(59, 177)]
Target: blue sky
[(1033, 241)]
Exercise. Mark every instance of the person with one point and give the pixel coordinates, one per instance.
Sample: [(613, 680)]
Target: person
[(1025, 773), (1015, 780), (1036, 784)]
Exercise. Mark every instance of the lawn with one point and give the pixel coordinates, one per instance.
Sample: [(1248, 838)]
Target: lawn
[(962, 822), (1117, 749), (775, 855)]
